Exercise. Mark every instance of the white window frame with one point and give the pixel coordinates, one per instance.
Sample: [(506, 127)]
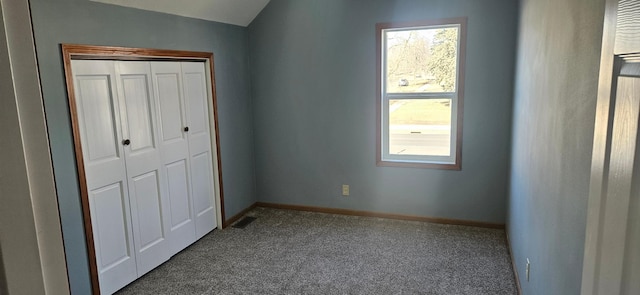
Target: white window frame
[(384, 158)]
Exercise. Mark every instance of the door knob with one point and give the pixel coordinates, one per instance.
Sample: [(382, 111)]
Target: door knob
[(126, 142), (186, 129)]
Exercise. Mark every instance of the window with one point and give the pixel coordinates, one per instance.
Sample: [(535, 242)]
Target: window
[(420, 91)]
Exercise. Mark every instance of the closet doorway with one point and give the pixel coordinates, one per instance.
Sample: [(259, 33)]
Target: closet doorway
[(148, 155)]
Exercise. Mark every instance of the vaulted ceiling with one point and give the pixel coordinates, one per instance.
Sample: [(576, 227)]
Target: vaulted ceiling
[(236, 12)]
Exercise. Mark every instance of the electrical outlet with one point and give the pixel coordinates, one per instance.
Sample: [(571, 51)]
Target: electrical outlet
[(345, 190), (528, 270)]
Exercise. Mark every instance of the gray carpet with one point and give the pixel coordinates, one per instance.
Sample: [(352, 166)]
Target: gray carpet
[(291, 252)]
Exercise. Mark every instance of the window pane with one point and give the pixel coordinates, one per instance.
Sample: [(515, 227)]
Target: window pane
[(421, 60), (420, 127)]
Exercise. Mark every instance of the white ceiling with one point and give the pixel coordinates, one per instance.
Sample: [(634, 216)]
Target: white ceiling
[(236, 12)]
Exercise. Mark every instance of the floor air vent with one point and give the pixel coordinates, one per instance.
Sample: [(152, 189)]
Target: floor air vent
[(244, 222)]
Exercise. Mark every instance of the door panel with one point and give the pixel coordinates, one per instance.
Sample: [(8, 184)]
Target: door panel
[(611, 263), (182, 224), (195, 94), (110, 230), (105, 173), (623, 147), (629, 87), (147, 186), (201, 183), (147, 196), (98, 117), (178, 193), (175, 153), (171, 114), (612, 259), (112, 237), (631, 268), (202, 194), (196, 98), (138, 111)]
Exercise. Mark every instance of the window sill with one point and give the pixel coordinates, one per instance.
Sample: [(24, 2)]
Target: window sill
[(456, 166)]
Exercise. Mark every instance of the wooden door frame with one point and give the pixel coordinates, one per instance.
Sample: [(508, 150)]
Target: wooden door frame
[(76, 51)]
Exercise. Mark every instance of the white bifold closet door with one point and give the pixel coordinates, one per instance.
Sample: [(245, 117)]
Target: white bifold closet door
[(147, 188), (173, 133), (98, 113), (186, 150), (148, 165), (196, 93)]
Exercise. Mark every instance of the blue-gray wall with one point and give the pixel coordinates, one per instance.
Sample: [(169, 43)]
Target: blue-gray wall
[(554, 114), (85, 22), (313, 78)]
